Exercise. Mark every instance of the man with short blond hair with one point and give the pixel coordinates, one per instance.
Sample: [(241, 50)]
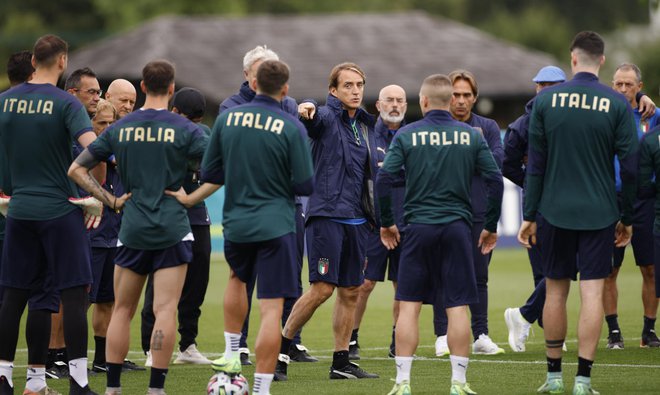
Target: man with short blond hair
[(441, 156)]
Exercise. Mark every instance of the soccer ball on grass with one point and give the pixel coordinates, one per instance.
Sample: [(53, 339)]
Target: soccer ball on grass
[(225, 384)]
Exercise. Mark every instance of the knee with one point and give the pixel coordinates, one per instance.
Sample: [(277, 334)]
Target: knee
[(367, 287), (320, 292), (648, 272), (348, 295), (165, 309)]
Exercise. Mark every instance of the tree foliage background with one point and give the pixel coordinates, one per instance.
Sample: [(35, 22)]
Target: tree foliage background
[(543, 25)]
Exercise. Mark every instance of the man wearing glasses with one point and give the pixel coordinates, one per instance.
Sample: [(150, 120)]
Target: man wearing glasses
[(82, 83)]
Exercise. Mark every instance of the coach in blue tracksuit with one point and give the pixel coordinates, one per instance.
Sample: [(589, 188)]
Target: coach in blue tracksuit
[(464, 97), (519, 320), (251, 63), (337, 213)]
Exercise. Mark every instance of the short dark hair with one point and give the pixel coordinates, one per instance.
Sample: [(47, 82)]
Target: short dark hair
[(157, 76), (589, 42), (333, 80), (19, 67), (73, 81), (48, 48), (272, 75)]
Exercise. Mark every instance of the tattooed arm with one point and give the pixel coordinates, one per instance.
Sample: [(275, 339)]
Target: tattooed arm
[(80, 173)]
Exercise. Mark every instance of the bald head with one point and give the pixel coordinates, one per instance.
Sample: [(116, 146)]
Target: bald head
[(121, 93), (392, 105), (435, 93)]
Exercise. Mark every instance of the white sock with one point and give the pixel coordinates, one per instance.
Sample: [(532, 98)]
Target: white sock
[(458, 368), (232, 341), (78, 370), (6, 370), (262, 384), (36, 379), (403, 366)]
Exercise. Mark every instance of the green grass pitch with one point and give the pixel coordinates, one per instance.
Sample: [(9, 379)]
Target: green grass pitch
[(629, 371)]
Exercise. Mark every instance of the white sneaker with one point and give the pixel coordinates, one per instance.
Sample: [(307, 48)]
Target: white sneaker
[(191, 355), (483, 345), (149, 361), (441, 347), (518, 329)]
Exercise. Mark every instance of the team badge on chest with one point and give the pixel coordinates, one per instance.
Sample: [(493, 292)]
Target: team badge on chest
[(324, 264)]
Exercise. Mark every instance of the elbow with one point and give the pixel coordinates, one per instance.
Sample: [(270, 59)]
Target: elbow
[(304, 189)]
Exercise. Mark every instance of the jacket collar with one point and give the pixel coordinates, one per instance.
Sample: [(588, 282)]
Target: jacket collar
[(246, 93), (585, 76), (267, 100), (382, 129), (335, 105)]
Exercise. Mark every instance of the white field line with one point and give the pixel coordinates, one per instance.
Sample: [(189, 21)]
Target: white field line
[(327, 355)]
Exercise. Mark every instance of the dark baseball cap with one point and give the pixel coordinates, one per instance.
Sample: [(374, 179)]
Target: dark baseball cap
[(190, 102)]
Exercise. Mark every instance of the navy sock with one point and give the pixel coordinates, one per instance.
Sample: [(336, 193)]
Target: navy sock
[(340, 359), (354, 335), (99, 353), (612, 322), (584, 367), (649, 324), (157, 379), (113, 378), (284, 345), (554, 364)]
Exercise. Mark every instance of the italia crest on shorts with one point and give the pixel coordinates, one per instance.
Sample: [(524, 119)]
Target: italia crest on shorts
[(324, 264)]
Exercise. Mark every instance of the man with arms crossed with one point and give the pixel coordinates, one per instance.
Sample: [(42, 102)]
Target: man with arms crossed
[(575, 130), (152, 148), (441, 156), (264, 243)]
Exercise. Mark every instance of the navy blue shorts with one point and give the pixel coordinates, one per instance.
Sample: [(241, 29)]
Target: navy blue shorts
[(45, 257), (656, 245), (438, 258), (378, 257), (273, 260), (336, 252), (642, 238), (103, 270), (144, 262), (565, 252)]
